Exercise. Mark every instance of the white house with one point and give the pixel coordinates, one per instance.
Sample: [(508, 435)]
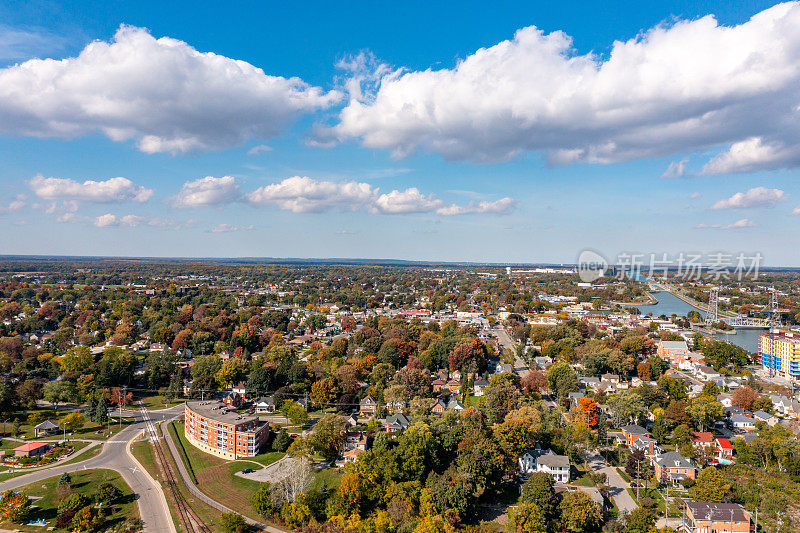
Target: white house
[(545, 461)]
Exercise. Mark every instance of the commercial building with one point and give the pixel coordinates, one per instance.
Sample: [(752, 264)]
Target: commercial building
[(213, 428), (704, 517), (780, 354)]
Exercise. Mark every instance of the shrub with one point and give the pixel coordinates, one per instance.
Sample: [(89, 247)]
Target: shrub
[(64, 520), (89, 519), (15, 507), (107, 493), (232, 523), (73, 502)]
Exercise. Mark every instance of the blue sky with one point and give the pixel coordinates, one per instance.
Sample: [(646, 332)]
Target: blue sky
[(531, 150)]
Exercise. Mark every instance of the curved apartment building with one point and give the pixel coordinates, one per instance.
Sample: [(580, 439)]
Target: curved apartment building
[(215, 429)]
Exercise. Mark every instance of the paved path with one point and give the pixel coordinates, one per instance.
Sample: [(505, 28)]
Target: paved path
[(520, 366), (152, 503), (617, 487), (187, 480)]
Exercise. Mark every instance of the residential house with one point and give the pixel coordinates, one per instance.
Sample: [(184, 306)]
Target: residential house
[(574, 397), (725, 399), (351, 455), (632, 432), (742, 423), (453, 403), (396, 423), (232, 400), (438, 406), (478, 385), (438, 384), (647, 444), (765, 417), (241, 390), (546, 461), (672, 466), (782, 405), (610, 378), (703, 517), (368, 405), (264, 404), (707, 373), (555, 465)]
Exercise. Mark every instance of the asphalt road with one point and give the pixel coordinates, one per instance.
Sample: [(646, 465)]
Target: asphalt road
[(520, 366), (617, 487), (152, 503)]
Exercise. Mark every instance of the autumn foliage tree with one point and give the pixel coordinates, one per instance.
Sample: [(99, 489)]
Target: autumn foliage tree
[(589, 411), (119, 397), (743, 398)]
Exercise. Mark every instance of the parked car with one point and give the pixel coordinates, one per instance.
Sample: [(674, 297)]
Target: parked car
[(247, 471)]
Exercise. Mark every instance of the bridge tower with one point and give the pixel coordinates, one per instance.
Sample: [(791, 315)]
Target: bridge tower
[(713, 305), (774, 316)]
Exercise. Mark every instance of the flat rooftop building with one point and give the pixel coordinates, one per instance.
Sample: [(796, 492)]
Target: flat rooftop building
[(214, 428)]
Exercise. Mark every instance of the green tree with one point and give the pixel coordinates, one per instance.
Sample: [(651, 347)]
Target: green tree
[(76, 359), (640, 520), (58, 392), (580, 513), (710, 486), (704, 411), (261, 500), (72, 422), (538, 489), (526, 517), (328, 436)]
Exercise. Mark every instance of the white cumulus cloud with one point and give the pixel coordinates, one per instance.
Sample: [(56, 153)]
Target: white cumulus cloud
[(302, 194), (678, 87), (408, 201), (162, 93), (756, 197), (208, 191), (108, 191), (739, 224)]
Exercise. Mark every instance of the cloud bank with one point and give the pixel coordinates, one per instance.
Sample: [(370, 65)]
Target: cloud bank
[(680, 87), (162, 93)]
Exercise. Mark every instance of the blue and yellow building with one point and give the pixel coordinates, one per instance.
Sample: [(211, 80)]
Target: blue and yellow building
[(780, 353)]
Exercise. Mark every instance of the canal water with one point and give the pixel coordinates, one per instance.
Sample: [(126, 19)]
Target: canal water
[(669, 305)]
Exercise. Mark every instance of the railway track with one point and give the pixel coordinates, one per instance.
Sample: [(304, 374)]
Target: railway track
[(187, 516)]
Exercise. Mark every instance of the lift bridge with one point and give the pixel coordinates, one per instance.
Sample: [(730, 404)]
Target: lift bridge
[(743, 321)]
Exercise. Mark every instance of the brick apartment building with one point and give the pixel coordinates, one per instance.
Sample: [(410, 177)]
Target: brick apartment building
[(213, 428)]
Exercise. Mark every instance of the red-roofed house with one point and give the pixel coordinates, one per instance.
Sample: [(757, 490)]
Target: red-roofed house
[(31, 449)]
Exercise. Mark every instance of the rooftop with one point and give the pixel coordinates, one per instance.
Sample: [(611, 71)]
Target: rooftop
[(219, 412)]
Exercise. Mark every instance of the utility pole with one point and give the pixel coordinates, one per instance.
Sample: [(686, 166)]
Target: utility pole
[(638, 477)]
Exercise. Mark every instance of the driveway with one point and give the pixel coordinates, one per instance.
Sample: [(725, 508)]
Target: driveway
[(115, 456), (617, 487)]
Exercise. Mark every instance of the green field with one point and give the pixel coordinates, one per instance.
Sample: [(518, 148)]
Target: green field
[(46, 498)]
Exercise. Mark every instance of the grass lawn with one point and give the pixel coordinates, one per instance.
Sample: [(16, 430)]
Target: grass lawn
[(145, 454), (330, 477), (84, 482), (625, 476), (159, 402)]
